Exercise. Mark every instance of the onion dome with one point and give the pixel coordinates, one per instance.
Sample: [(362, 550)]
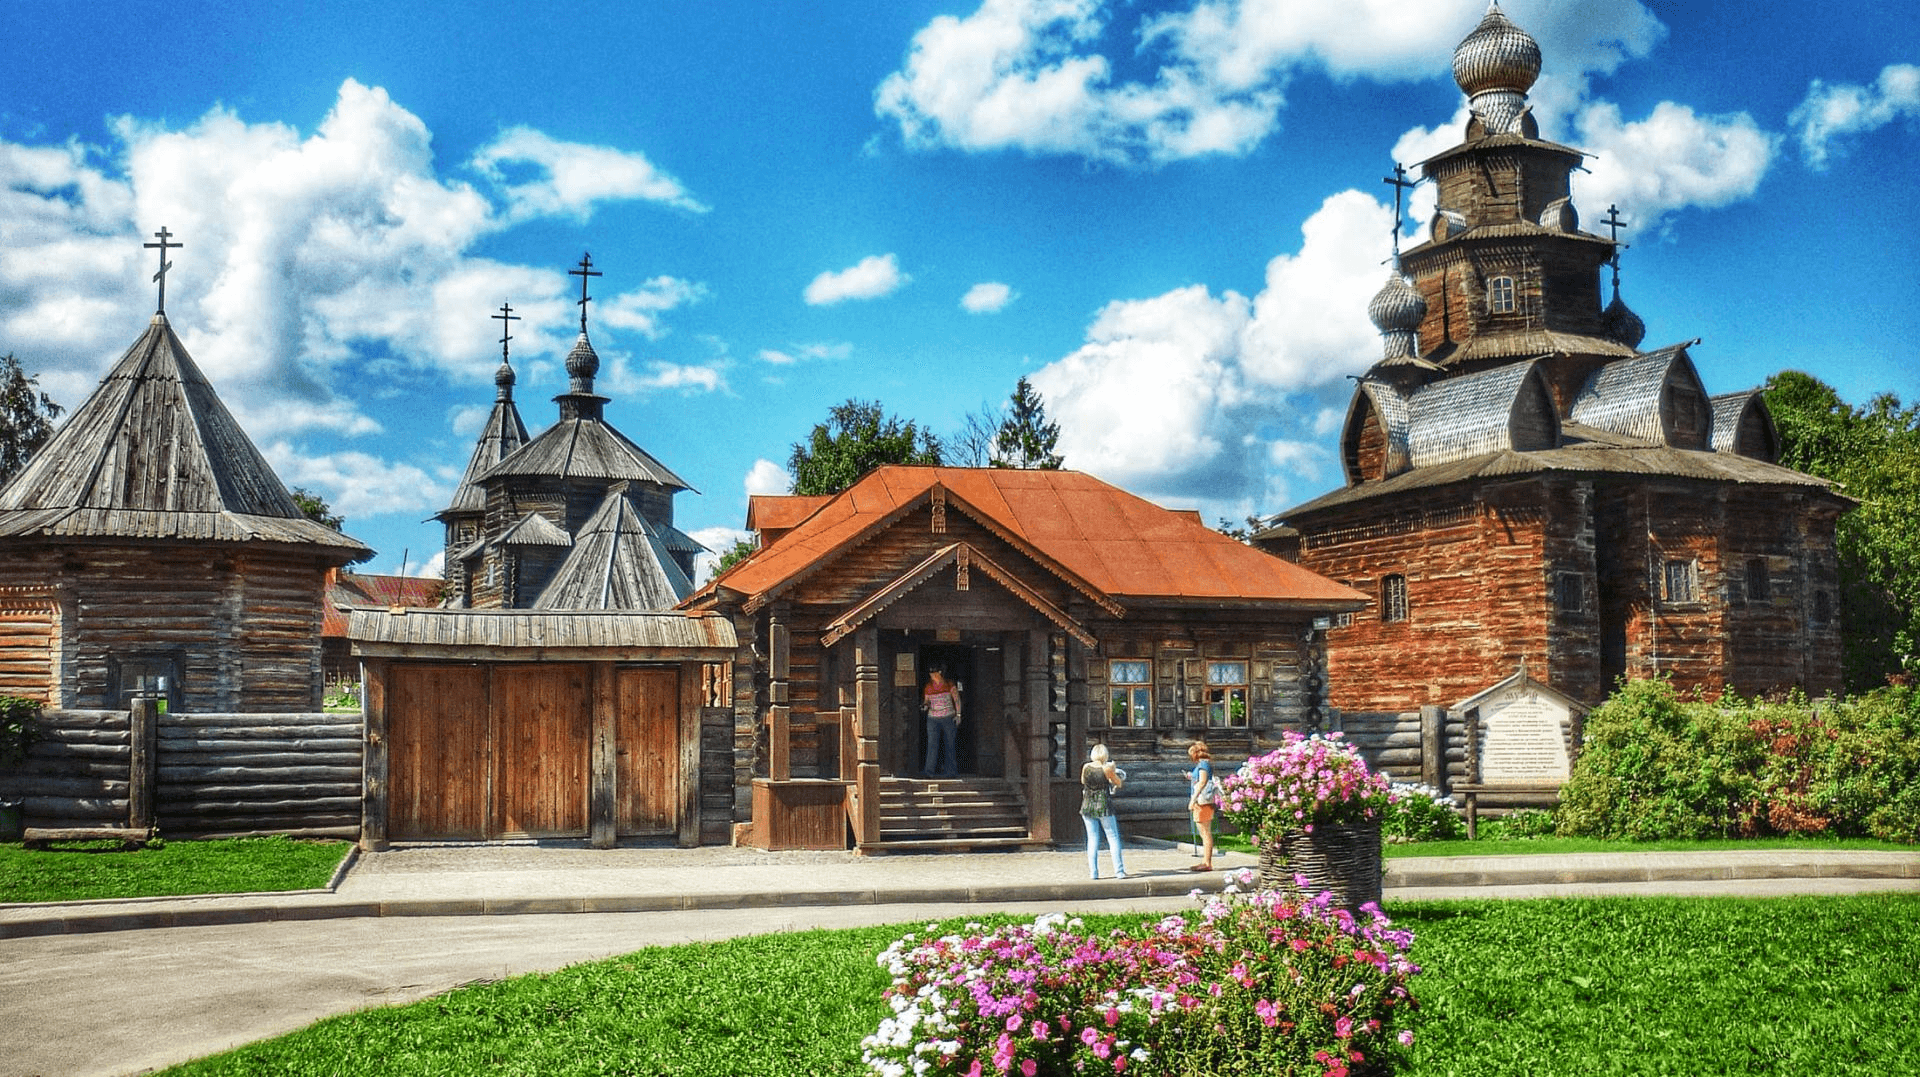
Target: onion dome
[(582, 364), (1622, 324), (1495, 66), (1397, 310), (503, 380)]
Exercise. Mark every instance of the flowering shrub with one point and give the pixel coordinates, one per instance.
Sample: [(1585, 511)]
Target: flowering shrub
[(1256, 984), (1418, 812), (1305, 782)]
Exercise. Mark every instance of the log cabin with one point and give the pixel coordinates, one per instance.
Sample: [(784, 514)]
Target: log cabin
[(1069, 611), (1526, 487)]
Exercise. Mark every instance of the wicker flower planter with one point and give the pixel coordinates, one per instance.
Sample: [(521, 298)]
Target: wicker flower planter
[(1341, 859)]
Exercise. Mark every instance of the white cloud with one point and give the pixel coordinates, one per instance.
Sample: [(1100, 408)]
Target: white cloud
[(1671, 160), (767, 477), (640, 309), (874, 276), (356, 484), (620, 376), (1040, 75), (572, 177), (1833, 112), (1193, 398), (987, 297), (801, 352)]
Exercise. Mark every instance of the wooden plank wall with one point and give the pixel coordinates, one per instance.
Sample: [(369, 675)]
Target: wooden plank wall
[(75, 775), (27, 643), (293, 773)]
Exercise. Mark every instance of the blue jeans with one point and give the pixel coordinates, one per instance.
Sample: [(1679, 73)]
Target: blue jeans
[(942, 761), (1095, 824)]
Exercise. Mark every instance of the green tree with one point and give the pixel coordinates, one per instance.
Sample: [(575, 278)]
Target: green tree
[(1026, 439), (741, 550), (316, 509), (26, 417), (1873, 453), (857, 437)]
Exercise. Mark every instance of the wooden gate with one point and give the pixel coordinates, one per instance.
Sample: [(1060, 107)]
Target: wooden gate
[(480, 752)]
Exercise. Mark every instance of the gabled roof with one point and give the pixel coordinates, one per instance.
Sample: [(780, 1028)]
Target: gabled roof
[(534, 529), (1743, 424), (154, 454), (1476, 413), (619, 562), (1627, 396), (1112, 546), (584, 449)]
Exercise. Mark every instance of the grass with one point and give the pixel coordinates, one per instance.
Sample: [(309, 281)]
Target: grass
[(94, 871), (1552, 846), (1542, 988)]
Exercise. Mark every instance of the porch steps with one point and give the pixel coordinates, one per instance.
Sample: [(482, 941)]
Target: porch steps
[(950, 814)]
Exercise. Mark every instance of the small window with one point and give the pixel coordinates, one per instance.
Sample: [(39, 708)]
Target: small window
[(1130, 688), (1500, 295), (1822, 608), (146, 675), (1227, 694), (1679, 582), (1393, 598), (1759, 586), (1570, 592)]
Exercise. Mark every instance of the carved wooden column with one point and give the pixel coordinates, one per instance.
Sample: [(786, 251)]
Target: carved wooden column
[(373, 807), (1039, 738), (865, 806), (779, 656)]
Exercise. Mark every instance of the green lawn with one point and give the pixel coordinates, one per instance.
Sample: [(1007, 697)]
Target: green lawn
[(1575, 987), (100, 870), (1539, 846)]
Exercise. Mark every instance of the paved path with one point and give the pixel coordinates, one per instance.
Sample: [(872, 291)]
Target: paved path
[(135, 985)]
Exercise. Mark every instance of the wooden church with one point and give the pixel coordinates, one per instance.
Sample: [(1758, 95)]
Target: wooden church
[(148, 549), (579, 517), (1524, 484)]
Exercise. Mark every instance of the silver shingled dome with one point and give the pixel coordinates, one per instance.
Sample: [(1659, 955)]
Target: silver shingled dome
[(1497, 56)]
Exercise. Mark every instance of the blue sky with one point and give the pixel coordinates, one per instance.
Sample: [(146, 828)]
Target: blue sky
[(1169, 216)]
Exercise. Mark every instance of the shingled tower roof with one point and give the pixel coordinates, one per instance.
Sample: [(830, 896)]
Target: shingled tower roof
[(154, 454)]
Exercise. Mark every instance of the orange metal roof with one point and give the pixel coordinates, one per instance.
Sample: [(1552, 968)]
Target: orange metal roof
[(1099, 536), (778, 512), (347, 590)]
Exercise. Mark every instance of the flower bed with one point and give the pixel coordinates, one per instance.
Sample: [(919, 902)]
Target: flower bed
[(1304, 783), (1255, 984)]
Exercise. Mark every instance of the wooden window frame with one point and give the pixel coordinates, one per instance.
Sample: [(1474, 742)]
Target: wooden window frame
[(1570, 592), (1503, 295), (1222, 696), (1129, 701), (1680, 581), (1759, 580), (1394, 605)]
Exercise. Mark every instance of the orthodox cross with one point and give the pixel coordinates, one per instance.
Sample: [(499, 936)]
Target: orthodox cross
[(1401, 185), (506, 317), (163, 235), (1614, 224), (586, 270)]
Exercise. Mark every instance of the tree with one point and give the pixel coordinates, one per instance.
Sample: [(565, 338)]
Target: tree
[(973, 445), (857, 437), (316, 509), (1873, 453), (1242, 533), (26, 417), (741, 550), (1026, 439)]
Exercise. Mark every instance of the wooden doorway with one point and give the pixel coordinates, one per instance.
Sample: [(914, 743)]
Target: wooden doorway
[(484, 752)]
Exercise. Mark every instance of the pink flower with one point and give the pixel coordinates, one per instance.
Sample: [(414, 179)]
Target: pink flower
[(1406, 1037), (1028, 1067), (1343, 1027)]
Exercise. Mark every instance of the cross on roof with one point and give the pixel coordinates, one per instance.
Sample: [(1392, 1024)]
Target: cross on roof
[(1401, 184), (1614, 224), (506, 317), (163, 235), (586, 270)]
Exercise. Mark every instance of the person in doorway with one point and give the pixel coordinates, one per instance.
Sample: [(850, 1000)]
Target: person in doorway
[(1202, 798), (1099, 780), (941, 702)]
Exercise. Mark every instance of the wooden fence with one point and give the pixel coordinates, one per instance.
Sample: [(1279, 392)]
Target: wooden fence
[(212, 774)]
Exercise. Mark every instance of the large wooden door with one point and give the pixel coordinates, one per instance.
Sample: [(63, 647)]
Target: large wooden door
[(437, 745), (541, 731), (647, 751)]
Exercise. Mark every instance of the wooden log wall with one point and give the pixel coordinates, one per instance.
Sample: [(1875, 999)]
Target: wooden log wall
[(717, 775), (226, 774), (28, 644), (75, 775)]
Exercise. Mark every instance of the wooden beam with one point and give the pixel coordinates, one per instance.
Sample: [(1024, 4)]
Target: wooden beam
[(693, 697), (1039, 740), (603, 777), (866, 695), (143, 768), (373, 810)]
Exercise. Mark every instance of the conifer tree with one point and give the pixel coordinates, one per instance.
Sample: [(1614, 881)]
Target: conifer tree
[(1026, 439)]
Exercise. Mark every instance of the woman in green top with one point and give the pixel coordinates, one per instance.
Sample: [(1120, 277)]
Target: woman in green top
[(1099, 780)]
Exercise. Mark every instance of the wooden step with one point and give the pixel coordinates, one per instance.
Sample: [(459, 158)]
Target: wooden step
[(950, 813)]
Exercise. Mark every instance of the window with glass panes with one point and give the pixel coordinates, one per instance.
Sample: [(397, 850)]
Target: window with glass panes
[(1130, 692), (1226, 693)]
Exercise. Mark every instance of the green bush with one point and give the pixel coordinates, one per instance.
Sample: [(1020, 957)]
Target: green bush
[(16, 728), (1523, 824), (1655, 766), (1420, 813)]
